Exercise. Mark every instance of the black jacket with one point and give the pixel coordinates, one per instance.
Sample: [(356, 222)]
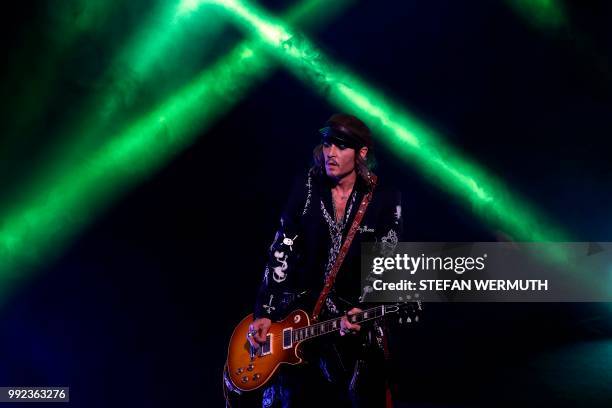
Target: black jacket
[(307, 242)]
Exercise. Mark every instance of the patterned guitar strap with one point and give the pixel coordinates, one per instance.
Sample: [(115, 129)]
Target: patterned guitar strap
[(331, 277)]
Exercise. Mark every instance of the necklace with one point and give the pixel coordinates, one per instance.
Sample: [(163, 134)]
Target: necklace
[(340, 219)]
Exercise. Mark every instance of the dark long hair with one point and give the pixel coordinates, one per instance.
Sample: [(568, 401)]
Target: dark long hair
[(362, 167)]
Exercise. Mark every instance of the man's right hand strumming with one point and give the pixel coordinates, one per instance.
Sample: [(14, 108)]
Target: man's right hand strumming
[(258, 331)]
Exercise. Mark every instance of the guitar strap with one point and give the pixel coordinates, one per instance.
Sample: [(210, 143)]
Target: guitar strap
[(331, 277)]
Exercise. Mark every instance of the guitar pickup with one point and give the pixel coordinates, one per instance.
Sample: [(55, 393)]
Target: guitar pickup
[(287, 340), (266, 347)]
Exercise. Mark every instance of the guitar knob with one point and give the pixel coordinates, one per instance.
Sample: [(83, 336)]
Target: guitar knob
[(250, 367), (256, 376), (239, 371), (245, 379)]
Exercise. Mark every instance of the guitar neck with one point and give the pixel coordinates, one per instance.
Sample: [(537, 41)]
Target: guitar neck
[(333, 325)]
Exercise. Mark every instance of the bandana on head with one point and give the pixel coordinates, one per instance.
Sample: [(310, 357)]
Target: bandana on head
[(340, 136)]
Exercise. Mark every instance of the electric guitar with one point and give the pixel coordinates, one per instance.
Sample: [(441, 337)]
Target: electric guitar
[(249, 368)]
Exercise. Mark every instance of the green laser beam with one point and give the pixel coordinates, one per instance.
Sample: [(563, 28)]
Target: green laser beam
[(545, 14), (37, 229), (154, 45), (411, 139), (151, 50)]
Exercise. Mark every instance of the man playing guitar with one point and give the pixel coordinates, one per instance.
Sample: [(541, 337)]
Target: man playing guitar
[(347, 370)]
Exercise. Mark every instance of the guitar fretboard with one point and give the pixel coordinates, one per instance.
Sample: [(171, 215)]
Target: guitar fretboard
[(332, 325)]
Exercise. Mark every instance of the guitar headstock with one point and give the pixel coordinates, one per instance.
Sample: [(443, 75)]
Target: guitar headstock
[(406, 312)]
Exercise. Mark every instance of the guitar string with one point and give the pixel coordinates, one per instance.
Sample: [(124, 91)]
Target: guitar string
[(308, 336), (295, 338), (305, 335)]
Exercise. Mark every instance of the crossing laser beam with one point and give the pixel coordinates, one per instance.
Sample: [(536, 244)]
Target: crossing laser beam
[(37, 229), (403, 133)]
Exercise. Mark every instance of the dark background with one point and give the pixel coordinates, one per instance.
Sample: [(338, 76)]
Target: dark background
[(139, 308)]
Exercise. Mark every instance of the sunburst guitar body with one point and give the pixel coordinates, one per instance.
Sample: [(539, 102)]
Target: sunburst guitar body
[(249, 368)]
